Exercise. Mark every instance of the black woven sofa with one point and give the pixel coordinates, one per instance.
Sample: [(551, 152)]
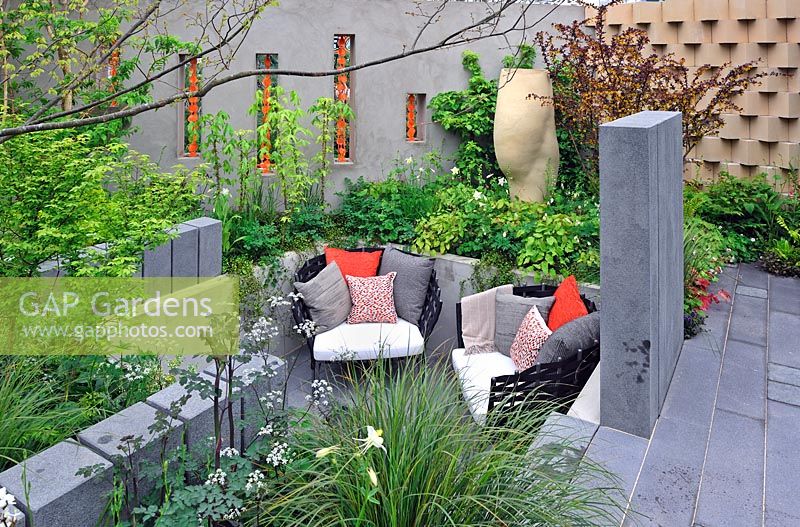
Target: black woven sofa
[(311, 268), (557, 382)]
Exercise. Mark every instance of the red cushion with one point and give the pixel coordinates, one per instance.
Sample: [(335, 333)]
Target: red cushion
[(531, 335), (373, 299), (568, 304), (354, 263)]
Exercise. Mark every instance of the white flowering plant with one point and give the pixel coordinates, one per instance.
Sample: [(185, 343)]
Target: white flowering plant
[(8, 514), (247, 455)]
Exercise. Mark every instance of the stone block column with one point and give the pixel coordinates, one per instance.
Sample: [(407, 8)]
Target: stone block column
[(641, 266)]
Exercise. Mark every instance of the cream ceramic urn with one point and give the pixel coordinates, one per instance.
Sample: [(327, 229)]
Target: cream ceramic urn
[(525, 132)]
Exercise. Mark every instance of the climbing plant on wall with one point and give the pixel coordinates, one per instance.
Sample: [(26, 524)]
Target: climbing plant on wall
[(470, 114)]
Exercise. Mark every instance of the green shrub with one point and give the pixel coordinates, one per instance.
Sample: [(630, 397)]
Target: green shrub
[(551, 239), (704, 254), (745, 211), (45, 400), (384, 211), (60, 194), (309, 224), (783, 257), (259, 241)]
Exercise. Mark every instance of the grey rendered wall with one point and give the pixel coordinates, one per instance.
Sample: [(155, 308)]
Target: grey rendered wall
[(301, 33)]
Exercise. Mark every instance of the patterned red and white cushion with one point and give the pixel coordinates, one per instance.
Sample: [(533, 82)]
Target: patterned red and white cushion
[(531, 335), (373, 299)]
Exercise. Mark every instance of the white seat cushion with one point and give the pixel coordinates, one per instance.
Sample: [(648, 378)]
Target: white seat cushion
[(587, 404), (476, 372), (369, 341)]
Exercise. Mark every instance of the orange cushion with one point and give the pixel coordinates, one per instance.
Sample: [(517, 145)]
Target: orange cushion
[(568, 304), (354, 263)]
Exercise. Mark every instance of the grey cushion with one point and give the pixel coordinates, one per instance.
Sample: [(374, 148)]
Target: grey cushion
[(411, 282), (579, 334), (510, 311), (327, 297)]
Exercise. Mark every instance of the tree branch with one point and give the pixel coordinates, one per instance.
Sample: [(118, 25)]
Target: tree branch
[(457, 38)]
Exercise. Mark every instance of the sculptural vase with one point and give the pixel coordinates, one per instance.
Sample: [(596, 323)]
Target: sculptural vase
[(525, 132)]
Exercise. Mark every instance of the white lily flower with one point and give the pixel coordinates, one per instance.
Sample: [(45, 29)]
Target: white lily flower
[(374, 439), (454, 171), (373, 477), (477, 195), (226, 192), (322, 452), (409, 160)]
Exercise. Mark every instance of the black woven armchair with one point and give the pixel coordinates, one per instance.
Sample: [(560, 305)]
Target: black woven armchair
[(427, 320), (555, 381)]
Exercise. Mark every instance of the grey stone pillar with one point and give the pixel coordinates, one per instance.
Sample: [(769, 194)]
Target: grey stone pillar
[(641, 266)]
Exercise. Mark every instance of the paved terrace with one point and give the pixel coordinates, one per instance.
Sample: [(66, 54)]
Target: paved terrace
[(724, 451)]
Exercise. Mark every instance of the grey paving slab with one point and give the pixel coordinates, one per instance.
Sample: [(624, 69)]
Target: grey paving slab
[(565, 428), (620, 454), (746, 290), (751, 275), (562, 442), (694, 386), (715, 327), (732, 484), (783, 465), (785, 298), (784, 339), (54, 486), (749, 320), (785, 282), (670, 476), (783, 374), (726, 279), (785, 393), (742, 386)]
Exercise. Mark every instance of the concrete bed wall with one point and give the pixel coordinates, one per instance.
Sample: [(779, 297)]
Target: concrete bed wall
[(301, 33), (195, 250)]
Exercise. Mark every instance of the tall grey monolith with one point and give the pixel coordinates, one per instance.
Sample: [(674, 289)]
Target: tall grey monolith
[(641, 266)]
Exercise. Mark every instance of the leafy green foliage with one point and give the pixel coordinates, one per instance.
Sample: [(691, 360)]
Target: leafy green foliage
[(470, 114), (285, 210), (59, 194), (45, 400), (385, 211), (551, 239), (746, 212), (704, 253), (783, 257)]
